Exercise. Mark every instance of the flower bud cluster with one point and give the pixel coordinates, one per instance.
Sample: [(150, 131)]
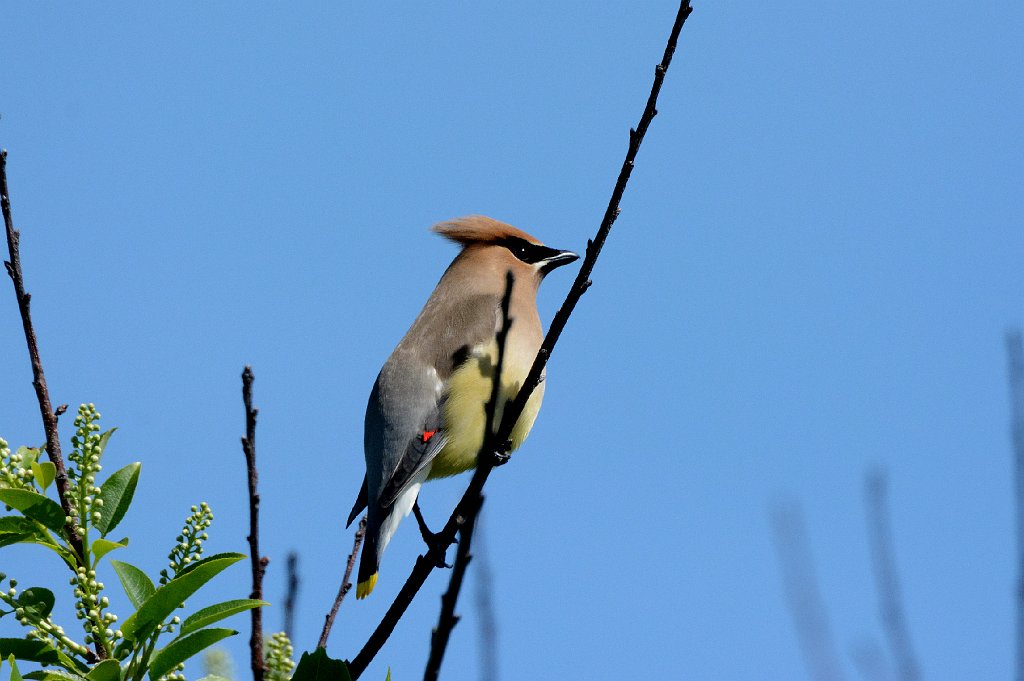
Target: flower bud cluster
[(189, 544), (40, 628), (87, 443), (175, 674), (89, 607), (279, 658), (16, 468)]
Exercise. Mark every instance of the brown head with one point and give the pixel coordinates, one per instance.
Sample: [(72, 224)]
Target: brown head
[(491, 248)]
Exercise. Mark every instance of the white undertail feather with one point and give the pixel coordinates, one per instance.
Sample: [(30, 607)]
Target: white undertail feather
[(401, 509)]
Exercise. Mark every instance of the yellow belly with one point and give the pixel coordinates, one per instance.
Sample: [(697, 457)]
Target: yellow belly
[(469, 389)]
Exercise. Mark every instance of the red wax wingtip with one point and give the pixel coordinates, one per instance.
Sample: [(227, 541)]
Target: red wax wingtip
[(427, 434)]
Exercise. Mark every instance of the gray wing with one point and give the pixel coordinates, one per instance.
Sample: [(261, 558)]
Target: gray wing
[(404, 399)]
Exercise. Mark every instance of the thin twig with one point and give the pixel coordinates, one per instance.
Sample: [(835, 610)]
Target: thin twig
[(447, 619), (886, 578), (488, 644), (805, 603), (291, 595), (38, 378), (259, 563), (1015, 357), (426, 563), (345, 584)]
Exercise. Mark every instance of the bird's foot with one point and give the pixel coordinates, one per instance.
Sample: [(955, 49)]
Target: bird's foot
[(502, 454), (431, 539)]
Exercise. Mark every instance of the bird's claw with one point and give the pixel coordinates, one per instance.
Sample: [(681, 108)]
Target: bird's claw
[(502, 454)]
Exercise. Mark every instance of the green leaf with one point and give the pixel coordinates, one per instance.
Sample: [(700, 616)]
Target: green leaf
[(39, 651), (15, 529), (15, 524), (44, 473), (117, 493), (316, 666), (108, 670), (215, 613), (37, 601), (31, 651), (15, 674), (389, 675), (102, 547), (104, 439), (184, 647), (35, 506), (53, 675), (172, 594), (28, 455), (135, 582)]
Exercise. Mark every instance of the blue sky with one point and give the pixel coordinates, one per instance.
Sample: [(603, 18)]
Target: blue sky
[(818, 256)]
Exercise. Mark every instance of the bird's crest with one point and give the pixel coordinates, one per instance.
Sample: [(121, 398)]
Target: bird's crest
[(479, 229)]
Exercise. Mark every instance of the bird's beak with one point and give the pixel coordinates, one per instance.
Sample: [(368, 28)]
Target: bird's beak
[(558, 259)]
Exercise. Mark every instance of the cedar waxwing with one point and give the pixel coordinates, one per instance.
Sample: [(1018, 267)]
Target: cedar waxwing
[(426, 415)]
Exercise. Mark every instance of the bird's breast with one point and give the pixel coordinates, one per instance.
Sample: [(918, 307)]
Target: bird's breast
[(465, 407)]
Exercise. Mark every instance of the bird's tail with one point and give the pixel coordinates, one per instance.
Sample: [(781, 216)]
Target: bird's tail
[(369, 563)]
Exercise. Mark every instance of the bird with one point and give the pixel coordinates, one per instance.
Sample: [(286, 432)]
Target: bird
[(425, 417)]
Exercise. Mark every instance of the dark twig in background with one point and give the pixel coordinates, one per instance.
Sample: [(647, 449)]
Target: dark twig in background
[(447, 619), (871, 662), (346, 584), (46, 410), (38, 377), (259, 563), (291, 595), (886, 578), (1015, 356), (488, 630), (805, 603), (426, 563)]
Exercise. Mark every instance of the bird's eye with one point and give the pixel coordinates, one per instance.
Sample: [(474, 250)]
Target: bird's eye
[(519, 248)]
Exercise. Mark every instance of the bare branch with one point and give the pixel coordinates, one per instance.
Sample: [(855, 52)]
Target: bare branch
[(447, 619), (805, 603), (38, 377), (1015, 357), (259, 563), (469, 501), (886, 579), (345, 584)]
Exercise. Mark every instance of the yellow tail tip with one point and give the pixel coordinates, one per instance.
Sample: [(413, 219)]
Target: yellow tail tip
[(363, 589)]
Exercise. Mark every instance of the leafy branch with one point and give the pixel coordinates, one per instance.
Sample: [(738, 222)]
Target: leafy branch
[(77, 529)]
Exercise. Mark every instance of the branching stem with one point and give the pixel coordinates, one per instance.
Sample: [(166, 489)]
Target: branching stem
[(470, 500)]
